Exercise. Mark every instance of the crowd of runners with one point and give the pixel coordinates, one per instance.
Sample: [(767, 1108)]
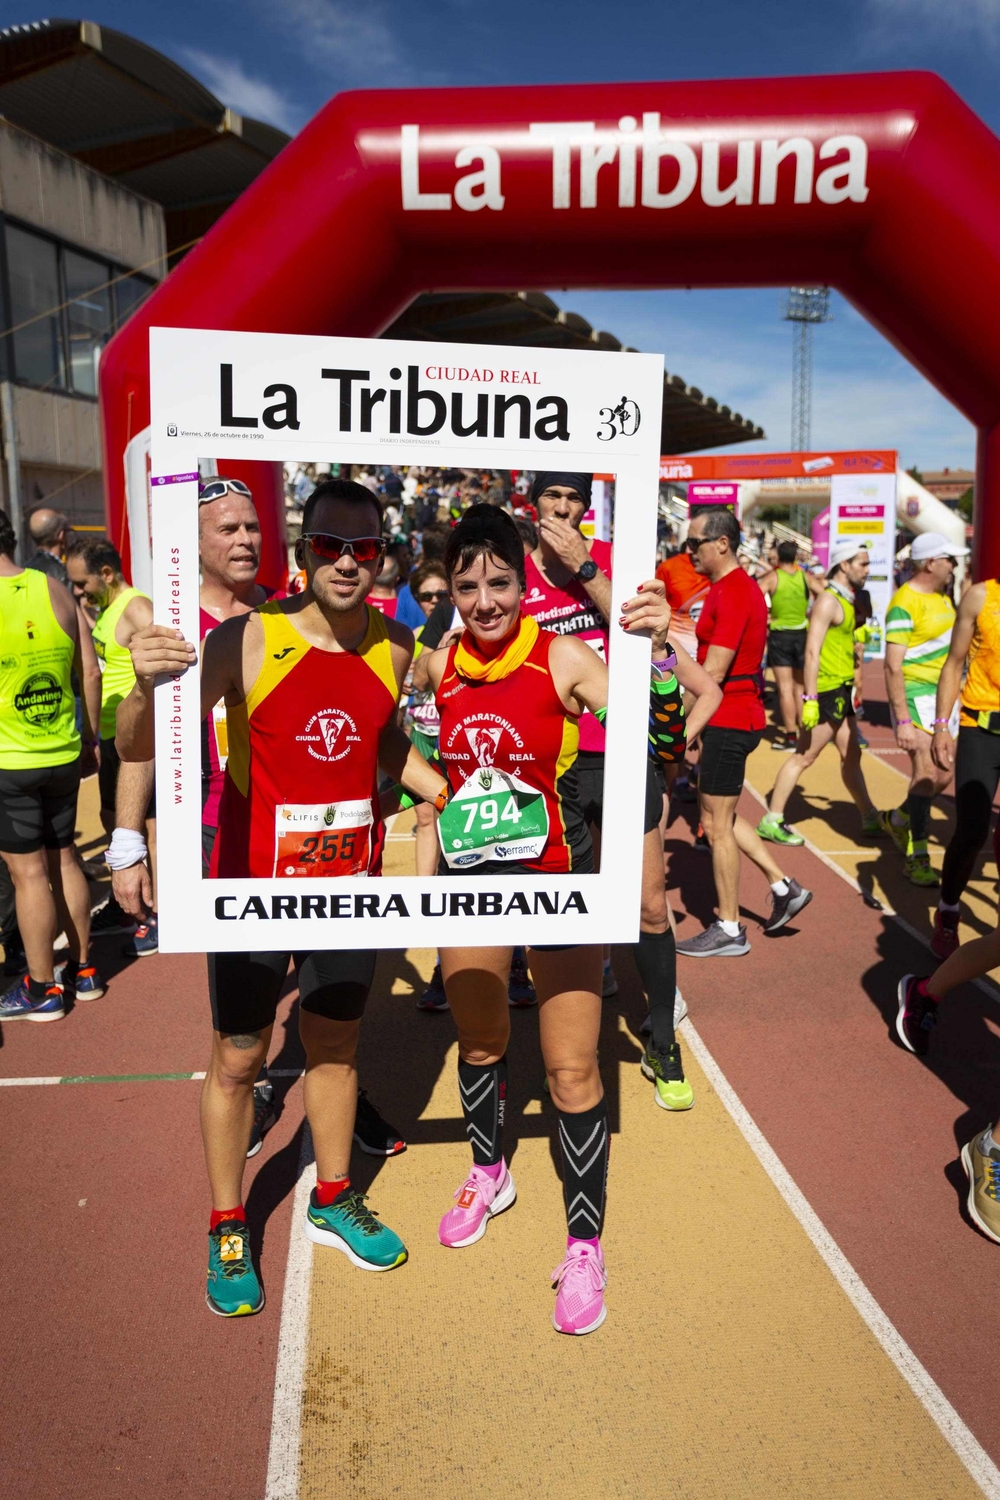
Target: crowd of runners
[(477, 676)]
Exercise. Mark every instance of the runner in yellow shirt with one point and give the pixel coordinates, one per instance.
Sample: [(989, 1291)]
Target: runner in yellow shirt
[(95, 568), (918, 629)]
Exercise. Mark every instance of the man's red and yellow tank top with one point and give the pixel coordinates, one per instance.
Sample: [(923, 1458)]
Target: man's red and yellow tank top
[(300, 791), (519, 727)]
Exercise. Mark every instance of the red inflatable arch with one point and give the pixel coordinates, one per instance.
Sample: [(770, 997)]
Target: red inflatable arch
[(885, 186)]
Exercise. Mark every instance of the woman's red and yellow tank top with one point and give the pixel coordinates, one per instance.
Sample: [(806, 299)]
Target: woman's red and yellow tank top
[(520, 727), (299, 797)]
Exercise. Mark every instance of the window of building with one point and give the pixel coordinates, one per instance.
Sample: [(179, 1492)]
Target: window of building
[(33, 271), (88, 317), (64, 308)]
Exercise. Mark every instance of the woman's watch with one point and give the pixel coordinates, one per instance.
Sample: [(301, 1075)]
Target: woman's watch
[(586, 571)]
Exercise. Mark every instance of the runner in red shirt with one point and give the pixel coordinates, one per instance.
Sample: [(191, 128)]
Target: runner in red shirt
[(311, 685), (732, 633)]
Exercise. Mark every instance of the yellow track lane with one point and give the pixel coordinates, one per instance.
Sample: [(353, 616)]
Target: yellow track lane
[(731, 1363)]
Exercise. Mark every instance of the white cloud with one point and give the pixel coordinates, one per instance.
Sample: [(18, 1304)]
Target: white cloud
[(249, 96), (353, 42)]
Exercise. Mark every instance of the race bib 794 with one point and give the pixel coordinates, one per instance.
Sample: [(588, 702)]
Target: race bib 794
[(495, 816)]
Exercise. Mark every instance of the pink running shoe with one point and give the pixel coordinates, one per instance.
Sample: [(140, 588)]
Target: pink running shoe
[(476, 1202), (580, 1298)]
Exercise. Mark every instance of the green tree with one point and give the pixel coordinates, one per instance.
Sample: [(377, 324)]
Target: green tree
[(964, 504)]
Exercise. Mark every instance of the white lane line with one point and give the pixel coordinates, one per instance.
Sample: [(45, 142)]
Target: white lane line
[(293, 1342), (819, 853), (987, 986), (14, 1083), (927, 1391)]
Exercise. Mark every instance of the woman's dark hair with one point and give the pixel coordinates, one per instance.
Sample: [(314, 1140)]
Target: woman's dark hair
[(527, 532), (341, 489), (484, 531)]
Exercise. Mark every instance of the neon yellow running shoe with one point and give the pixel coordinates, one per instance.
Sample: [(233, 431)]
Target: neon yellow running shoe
[(773, 827), (666, 1071), (900, 835), (919, 871)]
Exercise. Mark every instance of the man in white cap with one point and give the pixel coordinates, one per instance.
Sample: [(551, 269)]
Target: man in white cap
[(918, 630), (828, 700)]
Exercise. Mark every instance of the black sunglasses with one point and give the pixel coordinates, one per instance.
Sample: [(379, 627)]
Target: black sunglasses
[(427, 595), (694, 542)]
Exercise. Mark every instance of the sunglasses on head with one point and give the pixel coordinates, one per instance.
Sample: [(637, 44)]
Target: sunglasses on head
[(214, 489), (437, 595), (364, 549)]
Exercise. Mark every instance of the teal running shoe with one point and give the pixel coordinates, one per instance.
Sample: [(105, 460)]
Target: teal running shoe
[(773, 827), (348, 1224), (233, 1289)]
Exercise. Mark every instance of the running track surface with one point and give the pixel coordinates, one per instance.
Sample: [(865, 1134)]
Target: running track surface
[(797, 1305)]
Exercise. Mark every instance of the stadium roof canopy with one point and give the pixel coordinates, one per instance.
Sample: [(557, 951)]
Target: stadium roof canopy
[(131, 113)]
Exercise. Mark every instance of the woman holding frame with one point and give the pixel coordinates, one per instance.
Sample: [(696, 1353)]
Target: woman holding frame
[(510, 696)]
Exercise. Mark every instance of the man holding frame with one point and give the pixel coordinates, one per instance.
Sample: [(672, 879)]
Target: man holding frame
[(278, 669)]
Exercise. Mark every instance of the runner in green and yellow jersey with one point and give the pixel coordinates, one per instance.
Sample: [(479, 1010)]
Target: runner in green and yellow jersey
[(918, 630), (828, 703), (42, 641), (790, 590), (95, 568)]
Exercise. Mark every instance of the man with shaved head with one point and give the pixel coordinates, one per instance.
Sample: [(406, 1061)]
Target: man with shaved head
[(48, 530)]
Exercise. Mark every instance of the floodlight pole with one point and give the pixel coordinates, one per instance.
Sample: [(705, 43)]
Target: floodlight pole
[(804, 306)]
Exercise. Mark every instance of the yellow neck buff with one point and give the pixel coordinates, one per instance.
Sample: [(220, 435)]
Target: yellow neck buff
[(472, 663)]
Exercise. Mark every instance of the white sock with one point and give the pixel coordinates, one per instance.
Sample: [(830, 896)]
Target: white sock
[(731, 929), (944, 906), (986, 1141), (780, 887)]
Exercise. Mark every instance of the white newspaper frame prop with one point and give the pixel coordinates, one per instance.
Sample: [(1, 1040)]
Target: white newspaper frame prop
[(592, 412)]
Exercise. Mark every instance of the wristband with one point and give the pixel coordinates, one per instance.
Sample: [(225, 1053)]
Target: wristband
[(901, 722), (936, 722), (127, 848), (668, 664), (441, 799), (809, 698)]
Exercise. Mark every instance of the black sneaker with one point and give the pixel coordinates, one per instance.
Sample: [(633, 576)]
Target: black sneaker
[(374, 1135), (715, 942), (916, 1016), (783, 908), (110, 920), (666, 1071), (264, 1115)]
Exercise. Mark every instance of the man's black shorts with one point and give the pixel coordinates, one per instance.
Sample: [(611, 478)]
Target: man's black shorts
[(38, 808), (786, 648), (245, 987), (836, 705), (107, 778), (723, 759), (590, 789)]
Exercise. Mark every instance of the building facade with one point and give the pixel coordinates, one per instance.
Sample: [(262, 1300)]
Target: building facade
[(78, 253)]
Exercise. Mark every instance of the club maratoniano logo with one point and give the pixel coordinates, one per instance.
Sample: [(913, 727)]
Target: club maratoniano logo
[(329, 734)]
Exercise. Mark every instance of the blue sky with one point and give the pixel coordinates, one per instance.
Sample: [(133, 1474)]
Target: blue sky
[(280, 60)]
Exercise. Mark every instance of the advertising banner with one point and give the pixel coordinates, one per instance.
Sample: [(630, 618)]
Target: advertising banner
[(863, 507), (309, 400), (714, 492)]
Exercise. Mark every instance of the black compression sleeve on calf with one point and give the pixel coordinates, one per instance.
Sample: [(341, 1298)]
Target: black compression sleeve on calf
[(919, 809), (655, 957), (484, 1095), (584, 1140)]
